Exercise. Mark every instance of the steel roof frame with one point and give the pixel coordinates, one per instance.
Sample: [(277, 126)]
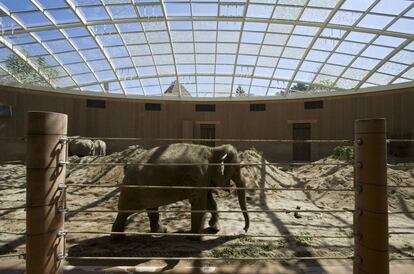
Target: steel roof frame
[(83, 22)]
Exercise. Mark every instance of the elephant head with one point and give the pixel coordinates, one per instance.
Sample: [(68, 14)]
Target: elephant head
[(222, 174)]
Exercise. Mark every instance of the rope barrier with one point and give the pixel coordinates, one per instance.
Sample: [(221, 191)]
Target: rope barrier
[(210, 187), (206, 234), (215, 140), (217, 211), (213, 258), (205, 164)]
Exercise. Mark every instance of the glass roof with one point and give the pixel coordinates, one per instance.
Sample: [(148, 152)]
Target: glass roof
[(213, 48)]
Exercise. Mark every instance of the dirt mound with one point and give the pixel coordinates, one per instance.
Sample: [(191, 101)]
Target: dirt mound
[(337, 174), (101, 174)]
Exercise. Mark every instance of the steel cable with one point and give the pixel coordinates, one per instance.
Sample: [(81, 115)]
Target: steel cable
[(213, 258), (209, 187), (207, 234)]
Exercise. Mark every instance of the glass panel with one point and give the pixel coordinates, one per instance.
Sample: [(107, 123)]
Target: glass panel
[(357, 5), (262, 11), (177, 9), (404, 25), (94, 13), (17, 6), (287, 13), (204, 9), (380, 79), (391, 7), (84, 43), (122, 11), (392, 68), (375, 21), (340, 59), (64, 16), (365, 63), (376, 52), (345, 17), (59, 46), (33, 19), (315, 15)]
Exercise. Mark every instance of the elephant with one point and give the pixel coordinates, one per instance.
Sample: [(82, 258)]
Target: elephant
[(168, 174), (99, 148), (86, 147)]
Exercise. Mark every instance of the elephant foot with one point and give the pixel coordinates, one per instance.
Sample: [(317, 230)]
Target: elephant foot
[(214, 226), (159, 229), (117, 237)]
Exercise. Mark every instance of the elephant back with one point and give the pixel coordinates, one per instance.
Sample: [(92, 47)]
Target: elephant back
[(81, 147)]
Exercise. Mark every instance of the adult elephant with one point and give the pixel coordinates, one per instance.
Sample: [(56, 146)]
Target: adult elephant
[(81, 147), (87, 147), (195, 173)]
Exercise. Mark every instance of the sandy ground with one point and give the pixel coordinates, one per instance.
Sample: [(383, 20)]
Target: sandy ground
[(302, 228)]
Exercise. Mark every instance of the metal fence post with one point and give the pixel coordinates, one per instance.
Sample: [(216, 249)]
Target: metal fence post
[(371, 204), (46, 148)]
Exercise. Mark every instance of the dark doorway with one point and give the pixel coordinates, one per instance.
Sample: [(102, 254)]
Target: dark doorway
[(208, 131), (301, 151)]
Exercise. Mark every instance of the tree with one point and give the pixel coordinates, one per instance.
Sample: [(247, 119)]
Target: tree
[(240, 91), (299, 87), (26, 74)]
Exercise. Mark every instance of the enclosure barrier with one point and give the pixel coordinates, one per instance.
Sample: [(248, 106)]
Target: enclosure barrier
[(46, 163)]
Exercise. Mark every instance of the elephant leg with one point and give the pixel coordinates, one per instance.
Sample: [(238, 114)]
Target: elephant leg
[(212, 206), (155, 224), (198, 202), (119, 225)]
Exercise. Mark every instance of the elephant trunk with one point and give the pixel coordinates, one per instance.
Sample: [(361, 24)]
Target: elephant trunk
[(241, 195)]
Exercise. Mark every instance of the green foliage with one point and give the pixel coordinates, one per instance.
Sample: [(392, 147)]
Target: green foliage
[(246, 247), (303, 239), (240, 91), (299, 87), (24, 73), (343, 153), (321, 86)]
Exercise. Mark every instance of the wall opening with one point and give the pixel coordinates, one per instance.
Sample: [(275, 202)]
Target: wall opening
[(207, 131), (301, 151)]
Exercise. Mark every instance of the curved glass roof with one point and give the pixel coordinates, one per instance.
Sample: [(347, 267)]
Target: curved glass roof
[(212, 48)]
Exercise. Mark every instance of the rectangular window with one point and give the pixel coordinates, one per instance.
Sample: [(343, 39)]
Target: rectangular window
[(313, 105), (95, 103), (5, 111), (257, 107), (205, 108), (152, 107)]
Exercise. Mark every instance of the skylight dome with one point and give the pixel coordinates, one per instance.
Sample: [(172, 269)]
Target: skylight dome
[(212, 48)]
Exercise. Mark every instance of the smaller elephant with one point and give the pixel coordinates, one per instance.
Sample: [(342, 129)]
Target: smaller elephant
[(87, 147), (99, 148)]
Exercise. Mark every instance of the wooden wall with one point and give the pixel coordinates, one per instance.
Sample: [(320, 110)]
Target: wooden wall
[(128, 118)]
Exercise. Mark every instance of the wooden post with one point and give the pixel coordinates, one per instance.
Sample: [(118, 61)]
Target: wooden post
[(371, 205), (45, 176)]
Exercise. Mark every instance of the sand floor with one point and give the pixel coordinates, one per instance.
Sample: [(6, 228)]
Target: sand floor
[(301, 229)]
